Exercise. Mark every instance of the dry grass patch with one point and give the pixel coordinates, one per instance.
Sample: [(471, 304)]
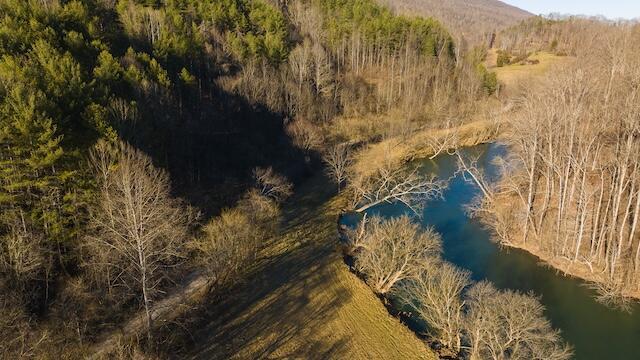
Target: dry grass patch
[(371, 127), (511, 76)]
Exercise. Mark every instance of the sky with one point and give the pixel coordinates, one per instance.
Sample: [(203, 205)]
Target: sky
[(613, 9)]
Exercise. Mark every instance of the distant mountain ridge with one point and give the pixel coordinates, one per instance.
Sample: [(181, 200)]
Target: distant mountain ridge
[(472, 19)]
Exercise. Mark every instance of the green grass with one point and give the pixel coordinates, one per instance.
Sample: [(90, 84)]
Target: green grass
[(302, 301)]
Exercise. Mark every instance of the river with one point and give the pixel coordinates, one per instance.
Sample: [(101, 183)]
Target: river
[(595, 331)]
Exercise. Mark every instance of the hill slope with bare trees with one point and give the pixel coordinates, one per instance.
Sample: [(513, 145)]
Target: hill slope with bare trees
[(474, 20)]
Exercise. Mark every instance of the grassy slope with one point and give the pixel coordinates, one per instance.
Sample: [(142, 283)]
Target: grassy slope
[(513, 75), (303, 302)]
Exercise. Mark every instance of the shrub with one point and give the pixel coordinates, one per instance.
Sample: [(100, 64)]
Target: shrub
[(231, 241), (503, 59), (489, 79)]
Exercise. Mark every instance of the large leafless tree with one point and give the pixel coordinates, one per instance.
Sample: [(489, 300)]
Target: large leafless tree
[(393, 250), (504, 325), (139, 229), (435, 294), (337, 159)]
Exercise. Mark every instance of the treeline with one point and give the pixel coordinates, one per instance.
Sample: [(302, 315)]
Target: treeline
[(574, 167), (351, 59), (564, 36), (471, 22)]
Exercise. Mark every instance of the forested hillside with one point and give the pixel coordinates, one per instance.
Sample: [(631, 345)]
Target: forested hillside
[(571, 36), (127, 125), (474, 20)]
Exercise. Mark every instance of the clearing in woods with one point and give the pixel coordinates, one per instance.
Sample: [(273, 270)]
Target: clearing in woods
[(511, 76), (302, 301)]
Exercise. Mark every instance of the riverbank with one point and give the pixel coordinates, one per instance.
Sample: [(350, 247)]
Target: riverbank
[(591, 273), (484, 124), (399, 150)]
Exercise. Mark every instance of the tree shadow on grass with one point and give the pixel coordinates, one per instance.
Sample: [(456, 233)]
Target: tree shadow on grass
[(281, 309), (269, 315)]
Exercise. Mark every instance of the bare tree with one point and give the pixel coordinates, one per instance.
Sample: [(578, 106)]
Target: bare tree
[(393, 250), (19, 341), (323, 73), (483, 207), (469, 167), (139, 229), (300, 63), (389, 185), (337, 159), (146, 23), (123, 113), (304, 134), (509, 325), (435, 294), (272, 184)]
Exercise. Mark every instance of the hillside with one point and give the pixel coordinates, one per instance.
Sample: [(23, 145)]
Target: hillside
[(473, 19)]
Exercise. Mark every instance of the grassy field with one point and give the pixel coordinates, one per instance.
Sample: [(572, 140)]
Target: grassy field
[(511, 76), (303, 302)]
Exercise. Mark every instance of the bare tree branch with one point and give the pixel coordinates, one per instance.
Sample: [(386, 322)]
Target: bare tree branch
[(390, 185)]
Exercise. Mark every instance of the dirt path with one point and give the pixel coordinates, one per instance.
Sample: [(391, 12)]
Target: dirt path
[(303, 302)]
